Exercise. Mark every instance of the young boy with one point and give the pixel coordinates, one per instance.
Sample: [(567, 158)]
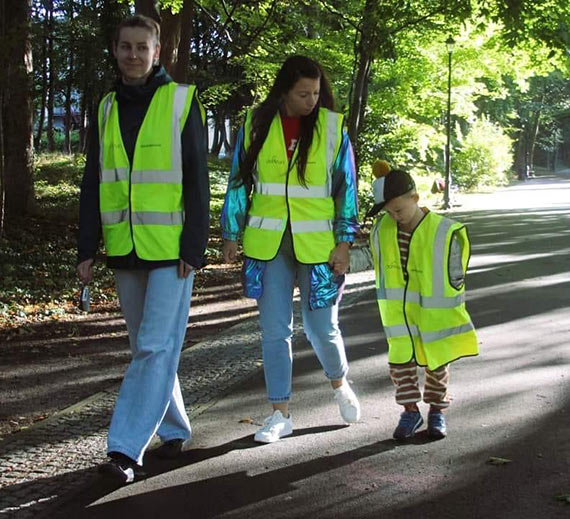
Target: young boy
[(420, 259)]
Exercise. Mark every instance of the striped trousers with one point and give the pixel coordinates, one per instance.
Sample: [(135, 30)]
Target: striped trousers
[(405, 378)]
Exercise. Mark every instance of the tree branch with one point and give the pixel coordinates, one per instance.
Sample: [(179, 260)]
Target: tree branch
[(340, 15)]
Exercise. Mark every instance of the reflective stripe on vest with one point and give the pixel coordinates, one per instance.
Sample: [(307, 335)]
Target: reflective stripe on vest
[(142, 204), (279, 197), (430, 322)]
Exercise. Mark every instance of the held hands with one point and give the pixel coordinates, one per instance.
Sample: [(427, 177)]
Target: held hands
[(229, 251), (339, 259)]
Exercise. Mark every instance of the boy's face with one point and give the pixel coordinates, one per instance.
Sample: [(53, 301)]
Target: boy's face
[(403, 208)]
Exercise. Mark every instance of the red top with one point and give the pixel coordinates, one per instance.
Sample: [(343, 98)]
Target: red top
[(291, 129)]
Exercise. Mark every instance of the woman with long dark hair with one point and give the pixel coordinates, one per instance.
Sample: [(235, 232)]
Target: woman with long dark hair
[(292, 199)]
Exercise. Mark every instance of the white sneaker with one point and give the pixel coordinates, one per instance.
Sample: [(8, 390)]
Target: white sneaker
[(274, 428), (347, 403)]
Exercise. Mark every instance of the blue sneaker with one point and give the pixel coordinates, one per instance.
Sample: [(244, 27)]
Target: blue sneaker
[(437, 428), (410, 422)]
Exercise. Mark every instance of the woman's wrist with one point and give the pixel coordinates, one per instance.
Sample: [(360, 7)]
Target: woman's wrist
[(344, 245)]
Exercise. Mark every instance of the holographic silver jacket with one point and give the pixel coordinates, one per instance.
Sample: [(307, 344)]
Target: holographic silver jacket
[(326, 287)]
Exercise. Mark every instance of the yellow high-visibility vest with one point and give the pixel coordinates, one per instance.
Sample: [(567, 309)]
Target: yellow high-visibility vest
[(141, 203), (279, 197), (424, 318)]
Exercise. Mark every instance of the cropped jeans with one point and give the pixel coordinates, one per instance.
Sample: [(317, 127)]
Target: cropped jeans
[(155, 304), (276, 322)]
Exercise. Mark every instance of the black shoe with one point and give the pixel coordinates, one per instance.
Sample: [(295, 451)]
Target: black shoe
[(170, 449), (121, 469), (437, 428)]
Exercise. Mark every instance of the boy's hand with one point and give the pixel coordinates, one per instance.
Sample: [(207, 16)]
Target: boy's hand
[(339, 259)]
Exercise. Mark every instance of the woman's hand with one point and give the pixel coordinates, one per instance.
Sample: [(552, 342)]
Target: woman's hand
[(85, 271), (229, 251), (339, 259)]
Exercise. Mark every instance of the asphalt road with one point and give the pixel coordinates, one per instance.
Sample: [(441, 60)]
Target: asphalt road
[(511, 402)]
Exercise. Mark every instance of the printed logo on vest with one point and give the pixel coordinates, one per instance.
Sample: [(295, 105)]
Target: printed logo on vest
[(275, 160)]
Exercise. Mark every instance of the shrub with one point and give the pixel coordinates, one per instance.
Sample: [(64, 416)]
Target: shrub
[(483, 158)]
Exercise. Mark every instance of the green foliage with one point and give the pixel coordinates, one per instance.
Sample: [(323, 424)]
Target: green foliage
[(38, 257), (483, 158)]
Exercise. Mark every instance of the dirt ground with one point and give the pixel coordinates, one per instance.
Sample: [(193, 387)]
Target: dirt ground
[(56, 364)]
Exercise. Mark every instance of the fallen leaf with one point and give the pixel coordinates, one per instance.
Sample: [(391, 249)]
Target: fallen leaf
[(493, 460), (247, 420)]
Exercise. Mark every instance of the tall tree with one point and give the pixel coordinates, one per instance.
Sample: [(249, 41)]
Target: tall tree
[(16, 107), (51, 75)]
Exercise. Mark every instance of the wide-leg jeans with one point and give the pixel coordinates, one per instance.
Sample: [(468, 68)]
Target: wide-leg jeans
[(276, 322), (155, 304)]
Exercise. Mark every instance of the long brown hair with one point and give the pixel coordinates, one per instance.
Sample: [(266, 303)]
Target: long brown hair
[(294, 68)]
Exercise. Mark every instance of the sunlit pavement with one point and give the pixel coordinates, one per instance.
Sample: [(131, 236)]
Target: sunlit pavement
[(512, 402)]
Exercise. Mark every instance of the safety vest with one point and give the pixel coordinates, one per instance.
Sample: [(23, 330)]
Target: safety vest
[(141, 203), (424, 317), (279, 197)]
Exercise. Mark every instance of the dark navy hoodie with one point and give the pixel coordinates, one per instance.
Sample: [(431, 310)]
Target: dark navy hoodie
[(133, 102)]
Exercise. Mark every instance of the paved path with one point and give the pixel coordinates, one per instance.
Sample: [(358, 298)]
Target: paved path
[(512, 402)]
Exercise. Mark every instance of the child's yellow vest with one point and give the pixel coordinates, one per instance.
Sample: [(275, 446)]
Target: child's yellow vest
[(424, 318)]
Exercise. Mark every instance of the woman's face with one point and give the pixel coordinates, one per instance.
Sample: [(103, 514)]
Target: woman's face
[(136, 52), (302, 98)]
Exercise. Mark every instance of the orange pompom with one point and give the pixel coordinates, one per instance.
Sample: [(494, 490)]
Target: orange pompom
[(380, 168)]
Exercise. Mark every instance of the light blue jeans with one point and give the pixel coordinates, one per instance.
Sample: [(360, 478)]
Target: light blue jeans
[(276, 321), (155, 304)]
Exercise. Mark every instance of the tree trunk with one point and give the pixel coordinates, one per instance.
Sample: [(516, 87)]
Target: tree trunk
[(16, 90), (359, 96), (148, 8), (365, 58), (220, 131), (85, 95), (521, 155), (3, 86), (42, 110), (69, 86), (534, 132), (51, 78), (180, 72), (169, 39)]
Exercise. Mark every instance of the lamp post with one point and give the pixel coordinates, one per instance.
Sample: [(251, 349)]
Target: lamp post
[(450, 42)]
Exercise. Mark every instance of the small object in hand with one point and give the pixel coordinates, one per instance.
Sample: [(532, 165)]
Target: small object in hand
[(84, 299)]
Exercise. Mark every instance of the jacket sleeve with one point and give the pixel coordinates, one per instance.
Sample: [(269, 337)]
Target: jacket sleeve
[(195, 188), (89, 214), (456, 272), (236, 200), (344, 192)]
